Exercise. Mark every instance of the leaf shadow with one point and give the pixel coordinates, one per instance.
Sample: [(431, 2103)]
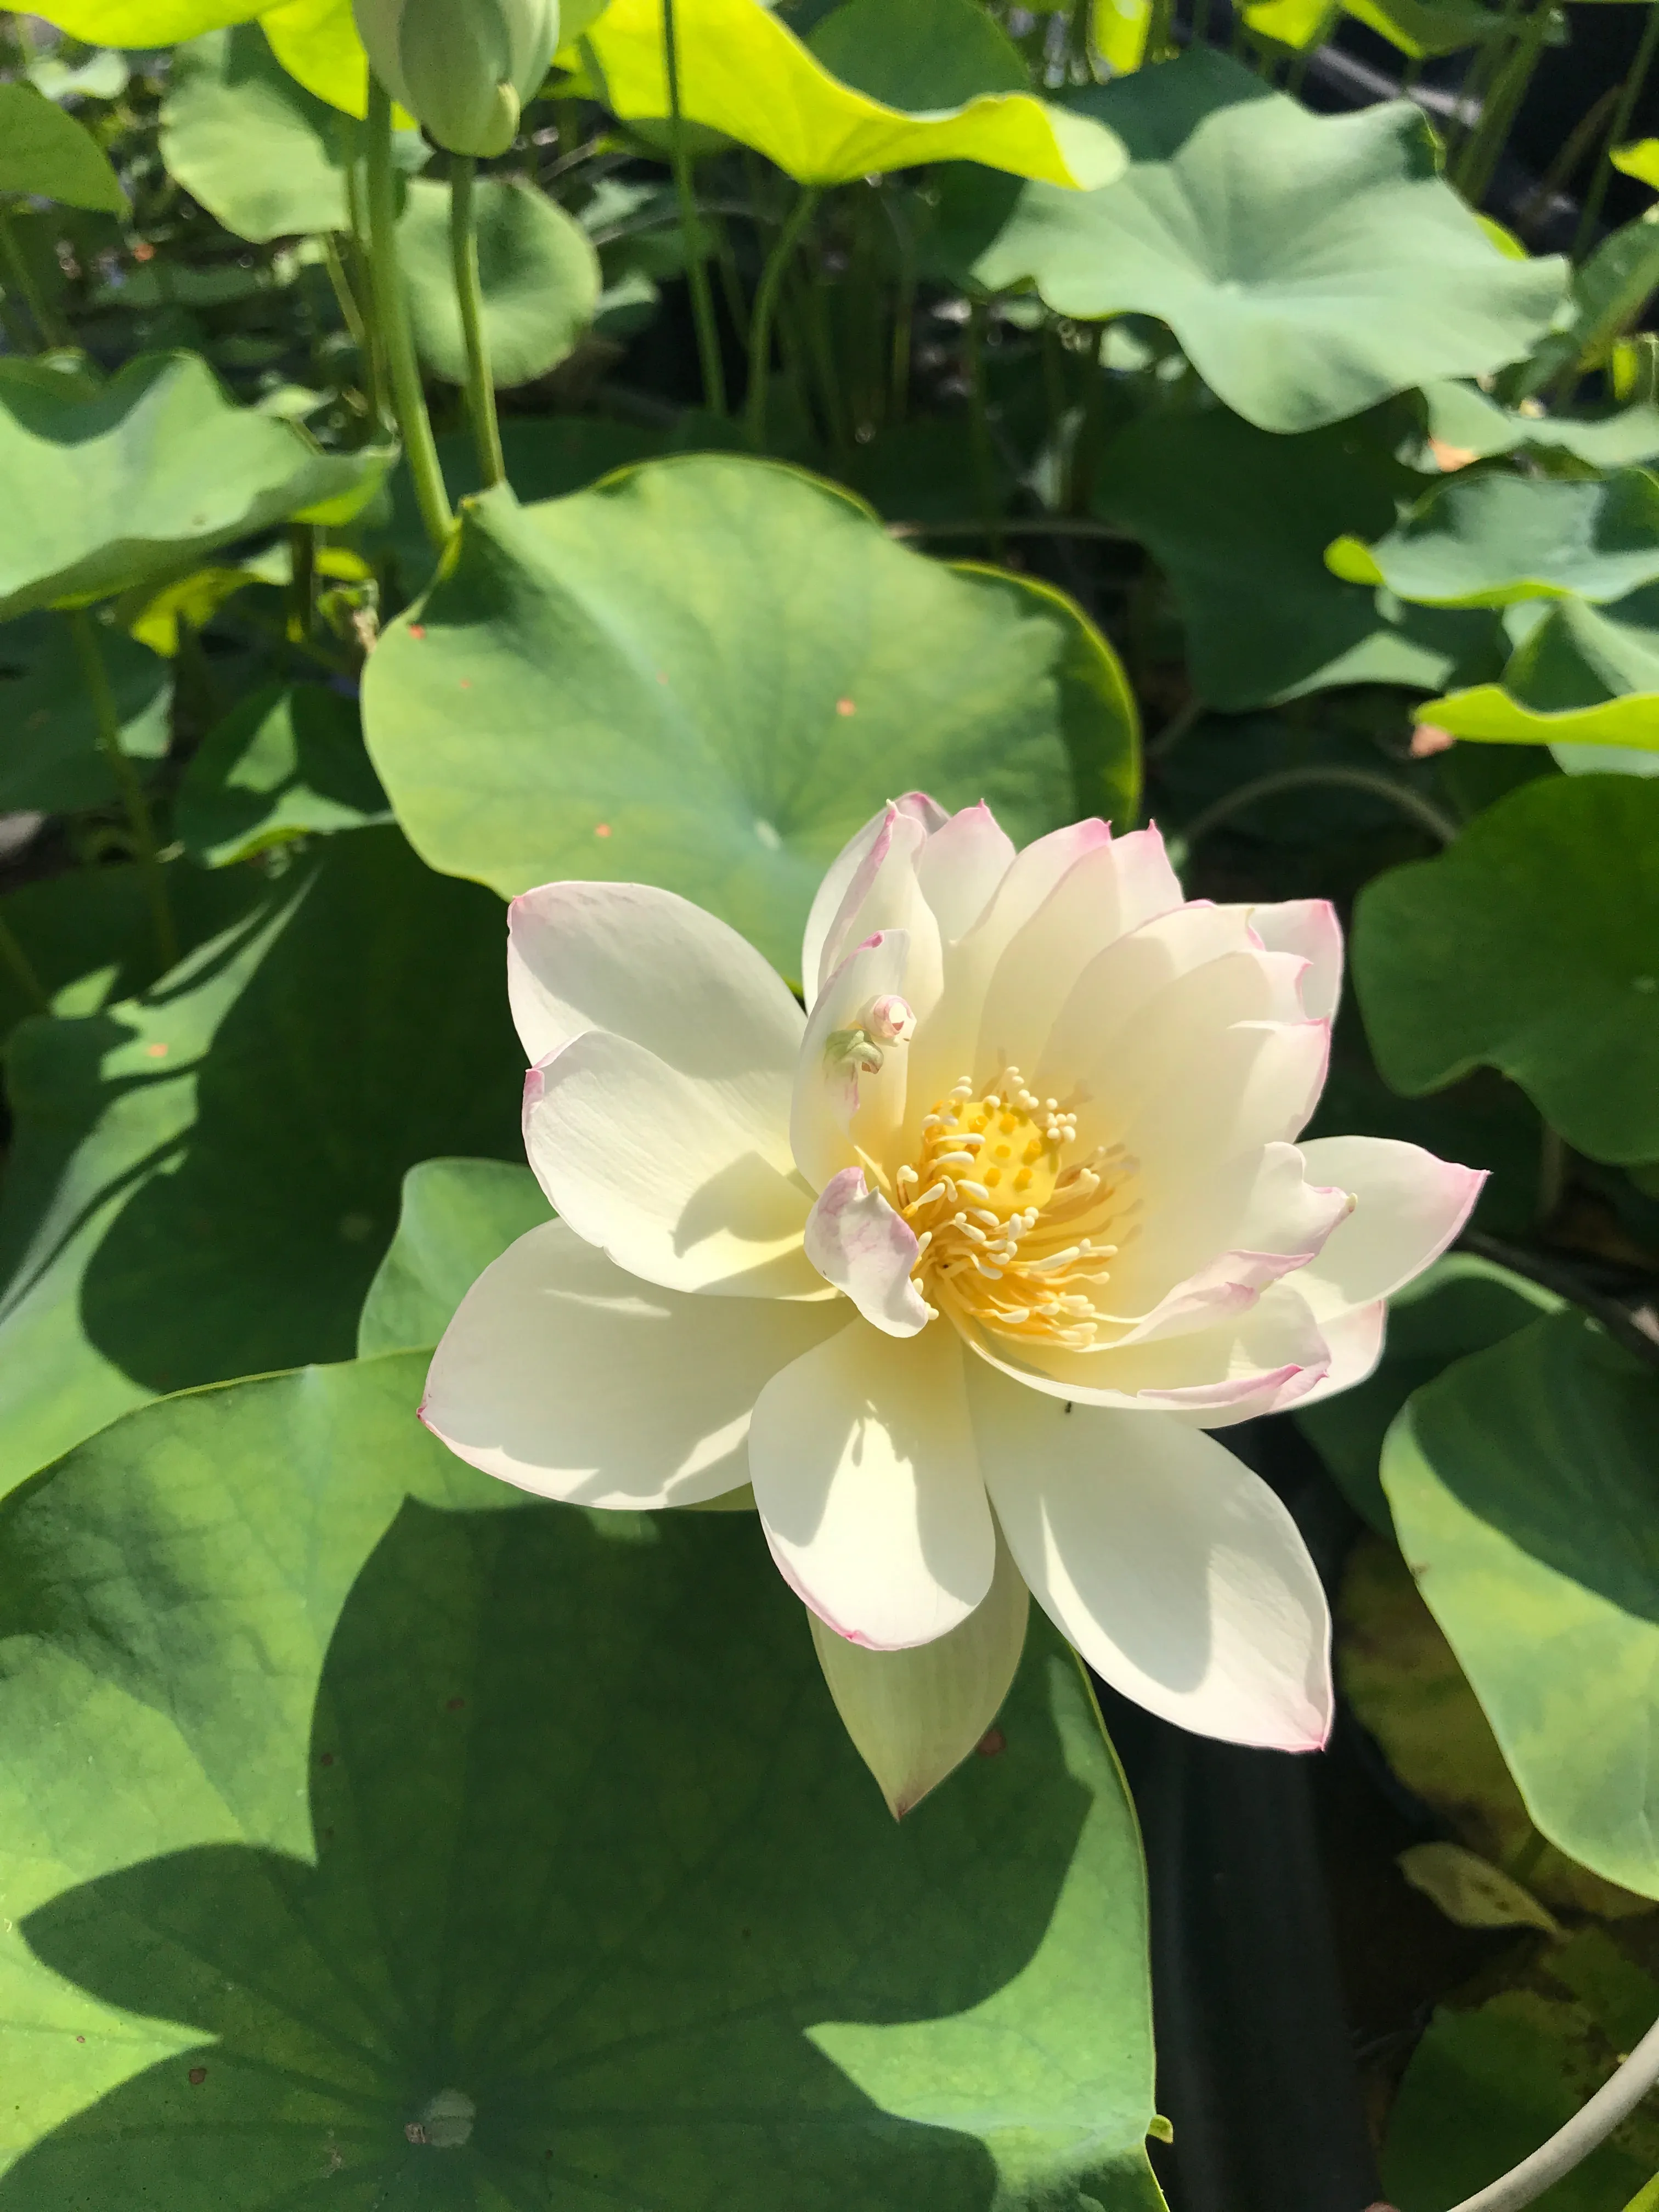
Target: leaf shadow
[(589, 1893)]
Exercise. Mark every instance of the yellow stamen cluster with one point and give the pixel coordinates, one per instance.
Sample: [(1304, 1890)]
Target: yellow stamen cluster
[(996, 1209)]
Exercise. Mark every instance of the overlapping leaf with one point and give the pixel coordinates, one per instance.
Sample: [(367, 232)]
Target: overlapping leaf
[(1522, 1483), (453, 1856), (52, 759), (45, 151), (1309, 265), (704, 673), (286, 762), (135, 482), (260, 153), (742, 70), (1581, 675), (538, 274), (1533, 943), (204, 1178)]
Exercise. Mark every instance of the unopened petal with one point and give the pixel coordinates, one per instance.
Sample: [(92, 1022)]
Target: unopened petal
[(568, 1377), (915, 1715), (686, 1182), (1174, 1570), (649, 966), (859, 1243), (961, 866), (827, 901), (1408, 1206), (847, 1087), (885, 894), (868, 1487)]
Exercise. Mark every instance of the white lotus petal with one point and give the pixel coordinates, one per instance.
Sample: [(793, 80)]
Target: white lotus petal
[(1255, 1083), (863, 1464), (1310, 928), (827, 901), (915, 1715), (1174, 1570), (567, 1376), (844, 1094), (686, 1182), (885, 895), (1409, 1207), (1354, 1340), (857, 1242), (961, 866)]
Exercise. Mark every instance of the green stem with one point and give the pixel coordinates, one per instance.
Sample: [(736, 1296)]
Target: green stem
[(766, 302), (53, 332), (1085, 455), (979, 430), (355, 266), (731, 283), (821, 346), (1479, 158), (303, 541), (1552, 1159), (1572, 152), (1160, 41), (469, 294), (696, 265), (904, 309), (1422, 811), (1591, 214), (392, 320), (21, 966), (107, 718)]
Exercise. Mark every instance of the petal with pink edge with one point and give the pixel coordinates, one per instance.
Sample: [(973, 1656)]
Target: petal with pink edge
[(845, 1093), (961, 866), (859, 1243), (1310, 928), (1409, 1207), (689, 1183), (868, 1488), (563, 1374), (1355, 1342), (1174, 1570), (647, 965), (827, 900)]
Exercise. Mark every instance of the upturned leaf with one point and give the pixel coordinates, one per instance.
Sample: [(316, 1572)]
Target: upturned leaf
[(45, 151)]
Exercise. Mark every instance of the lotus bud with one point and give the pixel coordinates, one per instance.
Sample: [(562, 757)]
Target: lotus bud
[(462, 68)]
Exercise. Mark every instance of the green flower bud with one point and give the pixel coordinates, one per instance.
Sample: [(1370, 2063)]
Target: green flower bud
[(462, 68)]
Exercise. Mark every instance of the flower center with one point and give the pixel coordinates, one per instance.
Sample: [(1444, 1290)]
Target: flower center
[(996, 1207)]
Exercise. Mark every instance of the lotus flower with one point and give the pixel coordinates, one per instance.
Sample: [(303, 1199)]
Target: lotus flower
[(958, 1269)]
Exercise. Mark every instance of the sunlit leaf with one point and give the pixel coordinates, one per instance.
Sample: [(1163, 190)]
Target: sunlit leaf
[(1521, 1483), (1462, 420), (704, 673), (1640, 160), (133, 23), (1118, 30), (134, 484), (316, 42), (438, 1847), (1309, 265), (44, 151), (203, 1179), (1531, 944), (1581, 675), (743, 71), (261, 153), (539, 273)]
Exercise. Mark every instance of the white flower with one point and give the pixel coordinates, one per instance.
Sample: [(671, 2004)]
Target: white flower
[(961, 1264)]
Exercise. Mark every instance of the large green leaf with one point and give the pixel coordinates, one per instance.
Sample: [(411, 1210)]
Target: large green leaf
[(1522, 1483), (1581, 675), (1531, 944), (1462, 1304), (1490, 540), (539, 273), (1309, 265), (705, 673), (1240, 520), (742, 70), (286, 762), (50, 758), (457, 1217), (204, 1178), (136, 482), (410, 1855), (919, 54), (259, 152), (45, 152)]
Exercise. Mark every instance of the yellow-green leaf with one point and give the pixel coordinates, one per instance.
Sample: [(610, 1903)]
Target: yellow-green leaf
[(142, 23), (1640, 160), (1471, 1891), (742, 71), (316, 42), (1119, 29)]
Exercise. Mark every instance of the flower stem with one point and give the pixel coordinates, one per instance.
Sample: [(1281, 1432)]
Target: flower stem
[(765, 308), (696, 265), (23, 968), (463, 261), (979, 431), (107, 718), (1422, 811), (1591, 212), (392, 319)]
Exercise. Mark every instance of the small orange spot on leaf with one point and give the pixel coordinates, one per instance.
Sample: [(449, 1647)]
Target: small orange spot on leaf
[(845, 706), (601, 828), (454, 1705), (197, 2076), (417, 630), (155, 1052), (991, 1743)]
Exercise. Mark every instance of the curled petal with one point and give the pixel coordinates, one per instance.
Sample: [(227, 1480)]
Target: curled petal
[(1174, 1570), (1408, 1206), (868, 1488), (816, 961), (961, 866), (1354, 1340), (848, 1087), (648, 966), (857, 1242), (1308, 928), (568, 1377), (915, 1715)]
